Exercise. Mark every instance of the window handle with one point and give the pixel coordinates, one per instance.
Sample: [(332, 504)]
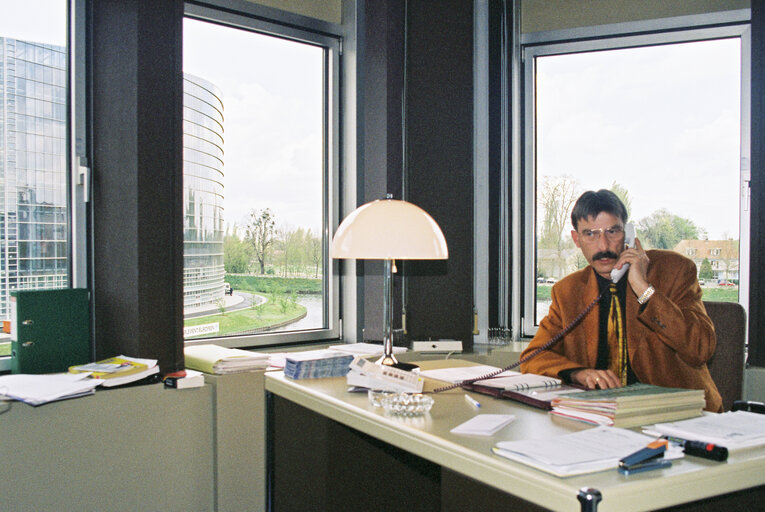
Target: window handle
[(83, 173)]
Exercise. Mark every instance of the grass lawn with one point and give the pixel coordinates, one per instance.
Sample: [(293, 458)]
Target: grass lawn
[(275, 311)]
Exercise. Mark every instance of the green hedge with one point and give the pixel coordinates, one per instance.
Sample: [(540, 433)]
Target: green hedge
[(274, 284)]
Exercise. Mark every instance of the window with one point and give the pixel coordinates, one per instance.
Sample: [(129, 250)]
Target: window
[(37, 247), (659, 119), (260, 177)]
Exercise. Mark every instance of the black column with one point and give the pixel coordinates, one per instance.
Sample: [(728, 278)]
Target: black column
[(137, 238)]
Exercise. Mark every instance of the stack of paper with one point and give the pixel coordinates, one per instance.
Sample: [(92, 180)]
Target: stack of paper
[(733, 430), (41, 389), (223, 360), (586, 451), (630, 406), (315, 364)]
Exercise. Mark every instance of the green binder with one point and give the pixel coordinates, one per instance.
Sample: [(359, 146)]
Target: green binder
[(50, 329)]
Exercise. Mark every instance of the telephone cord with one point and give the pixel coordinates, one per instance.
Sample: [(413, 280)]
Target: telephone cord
[(555, 339)]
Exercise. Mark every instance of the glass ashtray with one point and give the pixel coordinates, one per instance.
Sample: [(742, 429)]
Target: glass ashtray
[(375, 395), (406, 404)]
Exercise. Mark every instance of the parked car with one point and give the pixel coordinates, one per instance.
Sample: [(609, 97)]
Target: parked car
[(726, 283), (540, 280), (551, 280)]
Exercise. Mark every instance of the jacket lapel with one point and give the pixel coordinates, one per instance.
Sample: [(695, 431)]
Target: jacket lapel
[(590, 322)]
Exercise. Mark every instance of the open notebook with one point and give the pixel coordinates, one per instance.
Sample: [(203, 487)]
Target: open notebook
[(529, 388)]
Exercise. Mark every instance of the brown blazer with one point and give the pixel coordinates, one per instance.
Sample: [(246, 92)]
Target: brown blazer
[(669, 342)]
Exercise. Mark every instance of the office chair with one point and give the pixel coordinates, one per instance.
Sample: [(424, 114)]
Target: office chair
[(727, 363)]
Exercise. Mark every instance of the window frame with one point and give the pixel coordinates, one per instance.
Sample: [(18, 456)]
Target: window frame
[(626, 35), (304, 30), (78, 181)]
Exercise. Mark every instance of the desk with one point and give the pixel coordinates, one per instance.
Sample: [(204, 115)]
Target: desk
[(326, 442)]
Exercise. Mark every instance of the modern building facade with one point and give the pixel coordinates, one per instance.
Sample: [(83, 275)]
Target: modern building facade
[(203, 270), (33, 168)]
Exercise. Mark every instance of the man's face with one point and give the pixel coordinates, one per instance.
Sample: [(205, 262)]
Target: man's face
[(601, 240)]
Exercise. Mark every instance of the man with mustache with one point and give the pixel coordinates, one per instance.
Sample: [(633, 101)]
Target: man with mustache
[(650, 327)]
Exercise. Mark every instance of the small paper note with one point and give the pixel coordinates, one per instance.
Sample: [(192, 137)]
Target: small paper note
[(483, 424)]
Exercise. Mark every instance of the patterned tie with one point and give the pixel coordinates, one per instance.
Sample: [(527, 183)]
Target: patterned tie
[(617, 346)]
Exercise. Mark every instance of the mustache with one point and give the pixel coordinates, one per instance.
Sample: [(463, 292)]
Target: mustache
[(605, 254)]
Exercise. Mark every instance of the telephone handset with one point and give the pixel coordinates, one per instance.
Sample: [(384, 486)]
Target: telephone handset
[(629, 241)]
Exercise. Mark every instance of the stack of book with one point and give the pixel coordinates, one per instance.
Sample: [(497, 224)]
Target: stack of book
[(630, 406), (316, 364), (222, 360)]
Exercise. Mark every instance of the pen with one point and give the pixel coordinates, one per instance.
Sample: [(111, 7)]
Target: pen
[(472, 401), (701, 449)]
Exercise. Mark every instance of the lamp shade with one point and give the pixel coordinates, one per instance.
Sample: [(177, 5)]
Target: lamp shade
[(389, 229)]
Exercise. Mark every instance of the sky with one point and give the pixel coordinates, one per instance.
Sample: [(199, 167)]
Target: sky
[(662, 121), (272, 96)]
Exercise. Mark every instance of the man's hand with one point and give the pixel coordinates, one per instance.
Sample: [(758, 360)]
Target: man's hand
[(596, 379), (637, 276)]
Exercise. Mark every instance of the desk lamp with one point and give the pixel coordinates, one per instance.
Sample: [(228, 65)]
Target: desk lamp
[(390, 230)]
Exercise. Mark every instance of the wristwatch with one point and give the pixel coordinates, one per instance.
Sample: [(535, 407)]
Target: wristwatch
[(647, 294)]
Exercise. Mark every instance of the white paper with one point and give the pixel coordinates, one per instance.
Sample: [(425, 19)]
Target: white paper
[(364, 348), (586, 451), (40, 389), (462, 373), (483, 424), (739, 429)]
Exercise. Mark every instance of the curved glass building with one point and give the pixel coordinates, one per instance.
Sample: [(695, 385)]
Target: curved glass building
[(203, 271)]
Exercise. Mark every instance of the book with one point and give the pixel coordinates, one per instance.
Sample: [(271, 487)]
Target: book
[(540, 398), (316, 364), (222, 360), (630, 406), (110, 368), (192, 379)]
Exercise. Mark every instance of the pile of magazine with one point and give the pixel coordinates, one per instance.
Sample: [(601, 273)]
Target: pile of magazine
[(316, 364)]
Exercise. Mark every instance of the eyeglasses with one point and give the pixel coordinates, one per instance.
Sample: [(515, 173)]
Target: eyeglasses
[(593, 235)]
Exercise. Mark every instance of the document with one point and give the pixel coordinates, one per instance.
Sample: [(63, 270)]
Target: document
[(41, 389), (733, 430), (587, 451), (483, 424)]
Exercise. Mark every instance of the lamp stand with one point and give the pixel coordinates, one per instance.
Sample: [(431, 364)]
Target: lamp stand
[(388, 359)]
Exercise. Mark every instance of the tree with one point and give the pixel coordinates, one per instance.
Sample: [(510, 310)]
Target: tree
[(237, 254), (706, 272), (559, 193), (664, 230), (260, 234), (314, 252), (623, 194)]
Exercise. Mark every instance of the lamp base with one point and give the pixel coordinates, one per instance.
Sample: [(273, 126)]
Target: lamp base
[(395, 363)]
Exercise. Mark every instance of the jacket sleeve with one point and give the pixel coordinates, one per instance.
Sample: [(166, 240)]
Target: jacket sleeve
[(676, 314), (550, 362)]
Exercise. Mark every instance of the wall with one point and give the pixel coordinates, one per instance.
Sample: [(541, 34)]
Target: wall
[(544, 15), (139, 448), (110, 452)]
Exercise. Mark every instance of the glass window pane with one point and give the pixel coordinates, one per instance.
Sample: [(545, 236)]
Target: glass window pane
[(33, 211), (254, 183), (660, 126)]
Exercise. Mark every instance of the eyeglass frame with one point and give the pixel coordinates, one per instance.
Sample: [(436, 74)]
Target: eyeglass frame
[(613, 233)]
